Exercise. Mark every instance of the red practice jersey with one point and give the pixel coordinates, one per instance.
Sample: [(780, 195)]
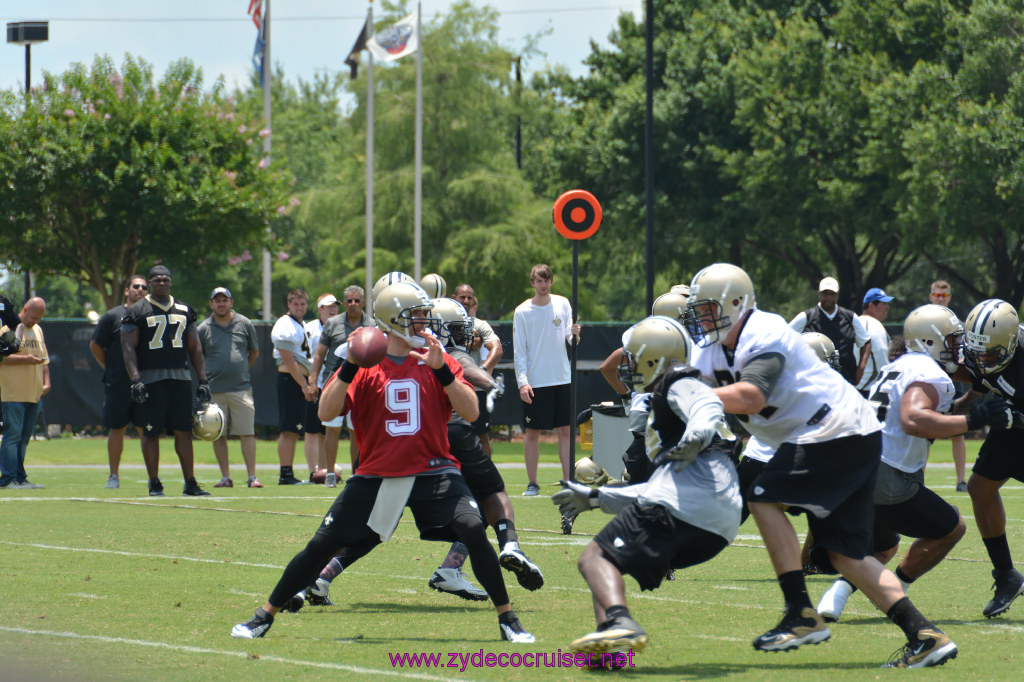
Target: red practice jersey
[(400, 415)]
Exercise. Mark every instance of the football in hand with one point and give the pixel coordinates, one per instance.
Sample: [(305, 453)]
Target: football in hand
[(367, 346)]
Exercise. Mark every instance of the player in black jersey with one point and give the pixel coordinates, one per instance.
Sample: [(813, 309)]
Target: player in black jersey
[(992, 337), (158, 337)]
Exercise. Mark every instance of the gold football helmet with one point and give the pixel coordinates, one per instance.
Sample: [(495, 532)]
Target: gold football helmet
[(670, 305), (434, 285), (393, 312), (391, 278), (991, 336), (655, 344), (936, 331), (455, 323), (719, 296), (823, 348), (209, 422)]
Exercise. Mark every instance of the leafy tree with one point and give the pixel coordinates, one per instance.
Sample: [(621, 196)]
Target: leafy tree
[(105, 172)]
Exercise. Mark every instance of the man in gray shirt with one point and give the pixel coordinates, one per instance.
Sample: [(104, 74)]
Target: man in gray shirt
[(230, 347)]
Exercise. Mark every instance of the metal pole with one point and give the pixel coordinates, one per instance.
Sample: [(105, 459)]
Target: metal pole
[(649, 157), (28, 91), (267, 80), (519, 119), (368, 296), (418, 198), (572, 361)]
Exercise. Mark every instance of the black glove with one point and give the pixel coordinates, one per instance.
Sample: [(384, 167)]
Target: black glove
[(139, 392), (9, 343), (203, 393), (996, 414)]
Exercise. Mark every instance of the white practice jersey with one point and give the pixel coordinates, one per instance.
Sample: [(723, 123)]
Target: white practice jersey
[(900, 449), (755, 449), (810, 403)]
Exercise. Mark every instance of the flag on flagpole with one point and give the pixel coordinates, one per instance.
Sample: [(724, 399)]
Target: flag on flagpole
[(256, 12), (396, 41), (352, 61)]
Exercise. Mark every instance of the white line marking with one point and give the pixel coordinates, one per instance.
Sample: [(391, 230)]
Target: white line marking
[(221, 652)]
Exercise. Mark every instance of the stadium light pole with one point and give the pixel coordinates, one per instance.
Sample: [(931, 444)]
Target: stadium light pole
[(28, 33)]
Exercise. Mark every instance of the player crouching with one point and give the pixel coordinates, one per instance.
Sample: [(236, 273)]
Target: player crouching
[(684, 514), (400, 409)]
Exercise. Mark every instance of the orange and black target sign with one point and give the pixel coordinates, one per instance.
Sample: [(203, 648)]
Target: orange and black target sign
[(577, 214)]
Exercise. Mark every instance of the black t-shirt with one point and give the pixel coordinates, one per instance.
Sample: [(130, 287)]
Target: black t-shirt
[(162, 329), (1009, 383), (107, 336)]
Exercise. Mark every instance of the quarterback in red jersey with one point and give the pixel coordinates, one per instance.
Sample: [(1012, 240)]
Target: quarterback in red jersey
[(400, 409)]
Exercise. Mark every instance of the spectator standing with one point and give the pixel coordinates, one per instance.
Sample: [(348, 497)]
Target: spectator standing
[(313, 444), (24, 380), (326, 360), (486, 352), (541, 329), (839, 324), (941, 293), (876, 309), (105, 346), (230, 347), (158, 339), (295, 390)]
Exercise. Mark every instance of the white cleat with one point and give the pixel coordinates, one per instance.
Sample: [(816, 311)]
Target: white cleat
[(832, 603)]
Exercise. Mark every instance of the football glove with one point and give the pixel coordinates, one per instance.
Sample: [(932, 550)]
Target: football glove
[(574, 499), (139, 392), (496, 392), (203, 393), (997, 414)]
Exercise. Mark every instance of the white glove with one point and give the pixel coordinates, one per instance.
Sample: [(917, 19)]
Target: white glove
[(574, 499), (496, 392)]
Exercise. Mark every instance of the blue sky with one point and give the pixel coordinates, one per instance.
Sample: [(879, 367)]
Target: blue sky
[(307, 36)]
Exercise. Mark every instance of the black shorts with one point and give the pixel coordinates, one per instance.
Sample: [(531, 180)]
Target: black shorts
[(117, 405), (645, 541), (549, 409), (169, 406), (482, 424), (435, 501), (313, 423), (293, 413), (925, 515), (834, 482), (482, 477), (1001, 456)]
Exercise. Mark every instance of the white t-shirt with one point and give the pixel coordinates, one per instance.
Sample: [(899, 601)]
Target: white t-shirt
[(900, 449), (879, 357), (290, 334), (810, 403), (539, 335), (314, 328)]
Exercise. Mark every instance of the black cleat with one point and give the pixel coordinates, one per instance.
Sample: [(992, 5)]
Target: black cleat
[(295, 603), (156, 488), (193, 489), (256, 626), (932, 648), (1008, 585)]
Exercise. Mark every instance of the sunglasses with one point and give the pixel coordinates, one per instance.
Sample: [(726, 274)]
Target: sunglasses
[(353, 300), (140, 286), (941, 295)]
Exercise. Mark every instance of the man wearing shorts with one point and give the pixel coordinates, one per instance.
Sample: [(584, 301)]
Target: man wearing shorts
[(230, 347), (827, 447), (158, 339), (400, 408), (541, 328)]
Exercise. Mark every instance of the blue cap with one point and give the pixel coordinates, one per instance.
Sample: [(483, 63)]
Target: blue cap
[(221, 290), (876, 295)]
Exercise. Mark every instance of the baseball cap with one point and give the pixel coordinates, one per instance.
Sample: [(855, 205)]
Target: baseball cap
[(221, 290), (829, 284), (875, 295), (329, 299)]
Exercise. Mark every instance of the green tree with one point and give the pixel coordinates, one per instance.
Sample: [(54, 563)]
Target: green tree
[(105, 172)]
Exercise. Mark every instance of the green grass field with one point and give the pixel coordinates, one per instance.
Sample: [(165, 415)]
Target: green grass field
[(111, 584)]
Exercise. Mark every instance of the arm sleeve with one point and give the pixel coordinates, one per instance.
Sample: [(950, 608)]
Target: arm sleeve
[(522, 352), (799, 323), (764, 371)]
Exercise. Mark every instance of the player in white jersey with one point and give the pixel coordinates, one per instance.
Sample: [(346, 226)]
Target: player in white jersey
[(827, 446), (688, 510), (913, 394)]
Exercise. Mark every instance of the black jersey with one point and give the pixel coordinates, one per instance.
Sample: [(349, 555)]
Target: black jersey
[(162, 329), (1009, 382)]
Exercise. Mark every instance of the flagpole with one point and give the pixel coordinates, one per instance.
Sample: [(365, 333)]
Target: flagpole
[(418, 222), (367, 297), (266, 81)]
